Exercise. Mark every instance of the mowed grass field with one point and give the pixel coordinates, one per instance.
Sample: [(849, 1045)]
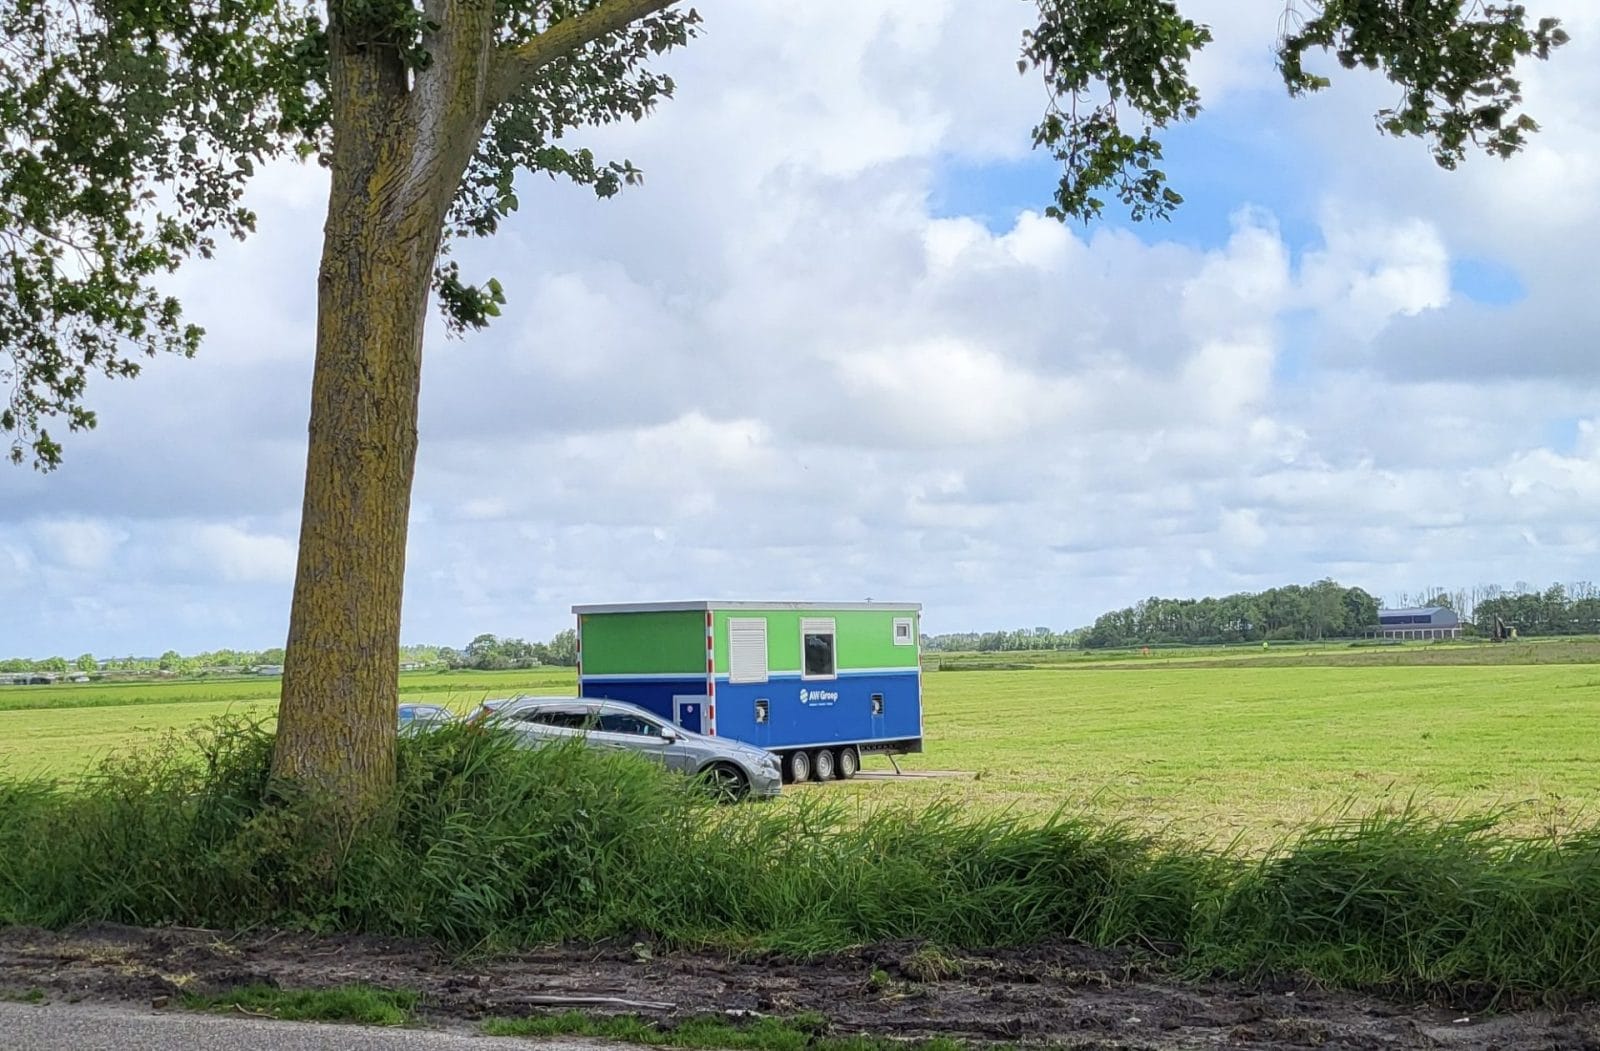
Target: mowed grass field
[(1211, 747)]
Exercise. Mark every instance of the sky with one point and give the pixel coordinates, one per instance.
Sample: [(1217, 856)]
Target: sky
[(831, 349)]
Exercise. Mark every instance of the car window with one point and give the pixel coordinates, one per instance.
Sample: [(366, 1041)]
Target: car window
[(620, 722), (567, 718)]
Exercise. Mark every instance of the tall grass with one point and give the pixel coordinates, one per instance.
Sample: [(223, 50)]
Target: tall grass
[(491, 847)]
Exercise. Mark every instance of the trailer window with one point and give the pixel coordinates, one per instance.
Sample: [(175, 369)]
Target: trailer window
[(902, 632), (817, 646)]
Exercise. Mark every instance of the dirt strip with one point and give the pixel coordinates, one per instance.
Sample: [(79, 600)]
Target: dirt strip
[(1065, 995)]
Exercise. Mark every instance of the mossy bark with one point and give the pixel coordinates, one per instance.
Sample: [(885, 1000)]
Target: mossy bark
[(399, 150), (403, 135)]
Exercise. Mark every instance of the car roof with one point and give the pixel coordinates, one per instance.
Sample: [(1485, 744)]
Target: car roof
[(542, 702), (497, 701), (524, 701)]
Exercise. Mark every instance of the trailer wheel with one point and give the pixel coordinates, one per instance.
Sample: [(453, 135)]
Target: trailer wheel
[(799, 767), (849, 763), (822, 765)]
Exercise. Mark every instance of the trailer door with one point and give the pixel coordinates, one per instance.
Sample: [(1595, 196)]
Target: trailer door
[(688, 711)]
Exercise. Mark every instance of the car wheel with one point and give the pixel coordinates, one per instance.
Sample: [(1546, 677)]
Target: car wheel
[(822, 765), (727, 782), (849, 763), (799, 767)]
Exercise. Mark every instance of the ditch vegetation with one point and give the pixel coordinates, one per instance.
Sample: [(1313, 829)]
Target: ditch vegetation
[(488, 848)]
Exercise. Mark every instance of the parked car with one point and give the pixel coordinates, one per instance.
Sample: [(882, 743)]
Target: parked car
[(733, 769), (486, 709), (420, 718)]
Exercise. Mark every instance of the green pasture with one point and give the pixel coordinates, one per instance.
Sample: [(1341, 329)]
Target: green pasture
[(1213, 747), (60, 730)]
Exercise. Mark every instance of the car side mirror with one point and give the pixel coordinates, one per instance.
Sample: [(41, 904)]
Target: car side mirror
[(669, 735)]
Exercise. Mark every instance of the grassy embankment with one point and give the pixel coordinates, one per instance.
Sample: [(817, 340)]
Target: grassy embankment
[(492, 847)]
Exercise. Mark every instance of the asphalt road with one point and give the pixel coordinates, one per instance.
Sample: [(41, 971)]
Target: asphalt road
[(101, 1027)]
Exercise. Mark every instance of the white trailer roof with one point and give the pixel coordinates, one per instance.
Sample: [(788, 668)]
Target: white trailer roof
[(714, 604)]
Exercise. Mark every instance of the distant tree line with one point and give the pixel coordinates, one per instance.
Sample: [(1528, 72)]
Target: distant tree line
[(170, 663), (487, 652), (1003, 641), (1553, 611), (492, 653), (1321, 610), (1325, 609)]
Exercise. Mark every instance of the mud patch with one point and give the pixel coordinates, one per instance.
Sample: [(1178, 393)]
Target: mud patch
[(1063, 994)]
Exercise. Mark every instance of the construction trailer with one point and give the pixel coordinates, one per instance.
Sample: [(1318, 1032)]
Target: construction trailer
[(820, 684)]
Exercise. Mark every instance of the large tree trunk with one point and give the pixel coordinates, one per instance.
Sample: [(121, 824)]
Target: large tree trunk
[(336, 725), (402, 138), (336, 722)]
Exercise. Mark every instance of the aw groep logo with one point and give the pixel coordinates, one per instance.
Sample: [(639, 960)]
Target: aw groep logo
[(818, 696)]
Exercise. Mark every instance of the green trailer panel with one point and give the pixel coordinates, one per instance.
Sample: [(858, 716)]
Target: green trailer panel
[(865, 638), (643, 643)]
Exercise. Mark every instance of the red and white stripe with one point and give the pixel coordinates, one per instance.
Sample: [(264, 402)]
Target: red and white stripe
[(710, 722)]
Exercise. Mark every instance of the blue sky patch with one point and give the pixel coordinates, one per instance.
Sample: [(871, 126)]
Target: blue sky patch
[(1225, 162), (1486, 281)]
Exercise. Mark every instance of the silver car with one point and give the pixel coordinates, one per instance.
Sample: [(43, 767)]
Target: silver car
[(420, 718), (734, 769)]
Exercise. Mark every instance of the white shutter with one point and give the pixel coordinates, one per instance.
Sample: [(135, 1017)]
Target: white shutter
[(747, 649)]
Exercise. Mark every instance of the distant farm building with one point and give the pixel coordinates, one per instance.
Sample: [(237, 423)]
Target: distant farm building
[(1427, 622), (269, 669)]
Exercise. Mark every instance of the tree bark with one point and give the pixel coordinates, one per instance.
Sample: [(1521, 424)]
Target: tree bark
[(336, 719), (402, 139)]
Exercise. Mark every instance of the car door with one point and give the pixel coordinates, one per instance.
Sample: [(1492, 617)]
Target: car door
[(624, 729)]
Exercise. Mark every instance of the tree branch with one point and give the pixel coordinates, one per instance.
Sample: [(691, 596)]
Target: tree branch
[(568, 35)]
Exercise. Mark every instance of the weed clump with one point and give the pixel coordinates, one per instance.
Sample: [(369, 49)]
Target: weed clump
[(1418, 904)]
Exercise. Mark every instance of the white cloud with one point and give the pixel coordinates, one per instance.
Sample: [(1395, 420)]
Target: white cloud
[(237, 555), (1241, 528), (776, 369), (78, 543), (1370, 272), (945, 393)]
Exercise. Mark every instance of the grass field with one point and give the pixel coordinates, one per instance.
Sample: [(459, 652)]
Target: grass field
[(59, 730), (1213, 744)]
